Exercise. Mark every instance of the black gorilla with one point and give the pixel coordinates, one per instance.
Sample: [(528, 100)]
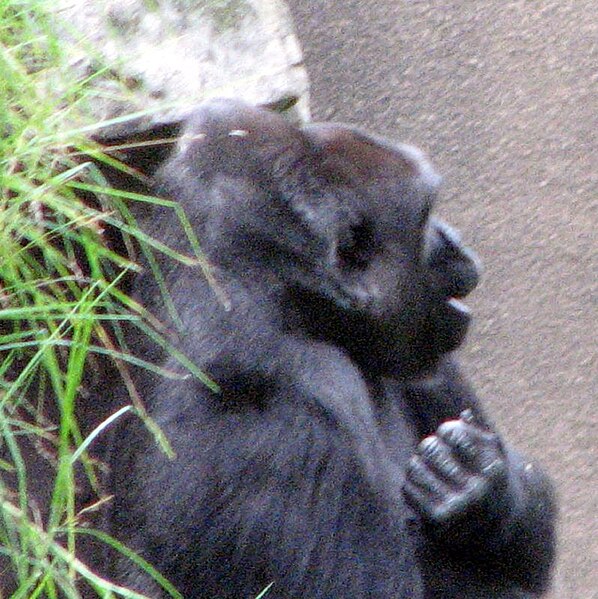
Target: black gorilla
[(327, 328)]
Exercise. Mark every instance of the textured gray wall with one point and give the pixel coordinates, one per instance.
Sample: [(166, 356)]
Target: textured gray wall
[(504, 96)]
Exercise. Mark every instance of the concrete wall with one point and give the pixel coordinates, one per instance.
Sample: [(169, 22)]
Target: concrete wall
[(504, 96)]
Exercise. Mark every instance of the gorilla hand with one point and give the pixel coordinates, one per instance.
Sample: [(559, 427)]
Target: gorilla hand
[(459, 480)]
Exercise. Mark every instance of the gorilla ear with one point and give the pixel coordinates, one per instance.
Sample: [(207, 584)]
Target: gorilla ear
[(343, 240)]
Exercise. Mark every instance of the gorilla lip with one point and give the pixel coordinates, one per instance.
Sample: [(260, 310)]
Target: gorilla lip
[(459, 306)]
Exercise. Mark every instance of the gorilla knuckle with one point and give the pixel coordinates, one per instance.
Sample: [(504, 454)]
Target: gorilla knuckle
[(495, 469), (453, 430), (444, 513), (476, 489), (428, 446)]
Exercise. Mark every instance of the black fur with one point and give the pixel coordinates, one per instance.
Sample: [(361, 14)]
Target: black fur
[(328, 330)]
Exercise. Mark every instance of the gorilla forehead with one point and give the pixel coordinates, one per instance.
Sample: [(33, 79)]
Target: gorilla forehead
[(320, 164), (363, 156)]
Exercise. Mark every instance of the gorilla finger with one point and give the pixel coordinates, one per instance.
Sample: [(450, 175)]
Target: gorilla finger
[(475, 420), (476, 449), (420, 501), (492, 465), (457, 435), (468, 416), (453, 507), (439, 458), (466, 426), (419, 474), (439, 511)]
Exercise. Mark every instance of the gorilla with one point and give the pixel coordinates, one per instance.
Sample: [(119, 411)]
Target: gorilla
[(339, 453)]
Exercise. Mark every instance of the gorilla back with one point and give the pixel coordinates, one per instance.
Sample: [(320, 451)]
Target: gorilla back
[(342, 456)]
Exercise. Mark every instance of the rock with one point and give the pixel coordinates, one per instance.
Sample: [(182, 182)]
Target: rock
[(150, 62)]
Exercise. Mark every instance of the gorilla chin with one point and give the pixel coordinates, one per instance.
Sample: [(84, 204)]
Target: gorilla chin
[(451, 322)]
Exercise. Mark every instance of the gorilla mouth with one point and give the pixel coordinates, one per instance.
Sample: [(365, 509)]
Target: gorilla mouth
[(456, 272)]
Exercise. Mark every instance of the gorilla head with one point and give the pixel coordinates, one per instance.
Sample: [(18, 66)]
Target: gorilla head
[(339, 224)]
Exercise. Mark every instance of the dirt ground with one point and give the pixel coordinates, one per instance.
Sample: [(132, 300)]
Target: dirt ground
[(503, 95)]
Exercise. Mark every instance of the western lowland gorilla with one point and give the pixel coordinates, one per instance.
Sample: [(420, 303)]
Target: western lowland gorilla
[(342, 455)]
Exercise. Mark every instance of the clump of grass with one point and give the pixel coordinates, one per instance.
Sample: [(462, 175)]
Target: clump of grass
[(60, 304)]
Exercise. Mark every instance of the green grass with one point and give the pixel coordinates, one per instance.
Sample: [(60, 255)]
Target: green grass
[(60, 303), (62, 306)]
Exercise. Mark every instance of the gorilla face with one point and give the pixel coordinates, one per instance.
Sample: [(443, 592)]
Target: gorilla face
[(452, 273), (339, 222), (404, 269)]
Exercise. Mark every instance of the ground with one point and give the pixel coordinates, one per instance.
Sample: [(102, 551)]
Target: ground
[(502, 94)]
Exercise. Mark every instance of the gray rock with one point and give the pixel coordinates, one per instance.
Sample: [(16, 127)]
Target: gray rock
[(151, 61)]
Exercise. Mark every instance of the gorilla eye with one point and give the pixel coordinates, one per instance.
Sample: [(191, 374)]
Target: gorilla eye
[(426, 212), (356, 247)]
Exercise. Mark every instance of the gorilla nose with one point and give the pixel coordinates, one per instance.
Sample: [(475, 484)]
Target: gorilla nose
[(455, 267)]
